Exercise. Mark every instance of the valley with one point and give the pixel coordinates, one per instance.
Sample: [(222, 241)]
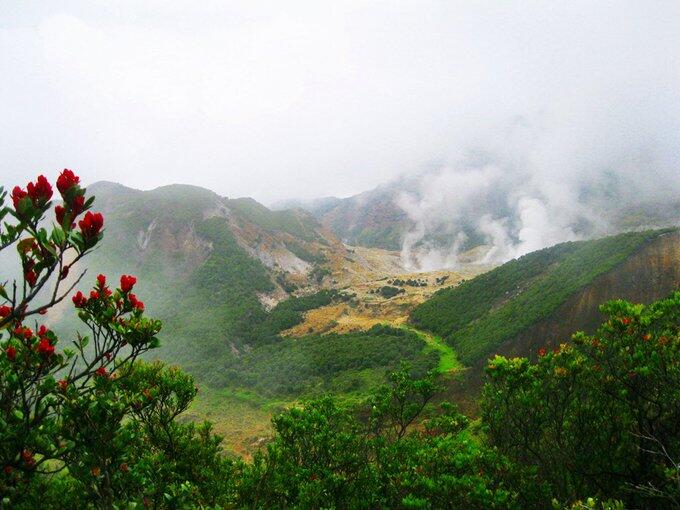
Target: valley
[(267, 309)]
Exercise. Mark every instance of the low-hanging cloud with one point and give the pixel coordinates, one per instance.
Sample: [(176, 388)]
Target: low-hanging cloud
[(531, 184), (312, 98)]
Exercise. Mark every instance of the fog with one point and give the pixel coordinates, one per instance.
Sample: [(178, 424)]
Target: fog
[(533, 116), (537, 182)]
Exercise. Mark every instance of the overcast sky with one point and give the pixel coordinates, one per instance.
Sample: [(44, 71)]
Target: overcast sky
[(302, 99)]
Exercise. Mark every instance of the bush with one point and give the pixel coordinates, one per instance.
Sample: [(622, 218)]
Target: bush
[(89, 426), (598, 417)]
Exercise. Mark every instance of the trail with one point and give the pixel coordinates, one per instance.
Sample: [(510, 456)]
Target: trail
[(448, 361)]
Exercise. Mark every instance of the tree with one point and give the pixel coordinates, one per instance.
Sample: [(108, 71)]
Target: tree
[(90, 421), (599, 416)]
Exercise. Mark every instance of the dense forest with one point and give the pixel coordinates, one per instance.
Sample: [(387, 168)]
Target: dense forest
[(86, 422)]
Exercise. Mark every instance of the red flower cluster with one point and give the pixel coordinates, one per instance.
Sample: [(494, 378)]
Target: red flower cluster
[(101, 281), (11, 353), (31, 277), (45, 348), (127, 282), (139, 305), (79, 300), (39, 192), (542, 352), (5, 311), (101, 372), (66, 180), (17, 195), (23, 332), (91, 225), (74, 200)]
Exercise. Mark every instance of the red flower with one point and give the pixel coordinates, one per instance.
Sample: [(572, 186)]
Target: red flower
[(40, 192), (133, 299), (91, 224), (59, 212), (101, 280), (11, 353), (127, 282), (542, 351), (647, 337), (94, 295), (101, 372), (78, 205), (17, 195), (66, 180), (63, 384), (42, 331), (79, 300), (31, 277), (625, 321), (5, 311), (22, 331), (45, 348), (27, 457), (140, 306)]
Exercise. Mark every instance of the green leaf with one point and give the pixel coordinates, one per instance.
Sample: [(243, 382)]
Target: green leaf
[(58, 236)]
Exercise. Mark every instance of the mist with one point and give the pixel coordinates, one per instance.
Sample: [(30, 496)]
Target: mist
[(535, 182), (534, 120)]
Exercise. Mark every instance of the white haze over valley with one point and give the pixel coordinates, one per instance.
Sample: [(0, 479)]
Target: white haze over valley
[(521, 123), (536, 183)]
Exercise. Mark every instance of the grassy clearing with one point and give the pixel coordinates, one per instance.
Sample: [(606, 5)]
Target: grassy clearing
[(448, 361)]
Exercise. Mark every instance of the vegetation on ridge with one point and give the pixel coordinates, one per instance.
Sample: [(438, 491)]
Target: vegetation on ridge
[(480, 314)]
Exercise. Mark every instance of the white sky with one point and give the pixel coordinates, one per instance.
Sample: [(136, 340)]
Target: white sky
[(302, 99)]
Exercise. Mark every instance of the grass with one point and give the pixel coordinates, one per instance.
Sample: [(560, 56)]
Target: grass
[(448, 360)]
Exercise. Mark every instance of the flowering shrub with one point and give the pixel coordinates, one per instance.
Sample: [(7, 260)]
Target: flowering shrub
[(88, 412), (598, 416)]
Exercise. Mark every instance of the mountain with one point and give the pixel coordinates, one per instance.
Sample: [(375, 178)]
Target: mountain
[(435, 215), (540, 299), (227, 276), (371, 219), (209, 266)]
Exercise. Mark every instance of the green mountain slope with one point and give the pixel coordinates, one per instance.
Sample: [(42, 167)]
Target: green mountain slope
[(226, 276), (210, 267), (480, 315)]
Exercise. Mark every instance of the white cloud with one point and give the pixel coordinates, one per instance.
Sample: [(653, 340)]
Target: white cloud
[(277, 99)]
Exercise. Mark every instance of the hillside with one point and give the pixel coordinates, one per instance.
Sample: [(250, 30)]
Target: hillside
[(371, 219), (430, 212), (227, 277), (228, 261), (540, 298)]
